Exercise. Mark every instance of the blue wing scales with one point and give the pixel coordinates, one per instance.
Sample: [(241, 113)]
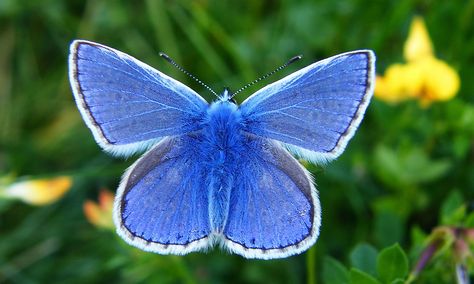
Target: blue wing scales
[(127, 104), (316, 110), (161, 205), (274, 208)]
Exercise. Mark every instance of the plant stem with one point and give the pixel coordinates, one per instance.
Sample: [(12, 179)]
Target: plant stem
[(310, 265)]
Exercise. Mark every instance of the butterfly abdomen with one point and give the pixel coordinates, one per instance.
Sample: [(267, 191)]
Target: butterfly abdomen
[(222, 145)]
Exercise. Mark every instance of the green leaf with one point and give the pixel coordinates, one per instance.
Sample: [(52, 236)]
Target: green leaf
[(400, 168), (334, 272), (364, 257), (418, 237), (392, 263), (453, 209), (360, 277), (389, 228), (469, 222)]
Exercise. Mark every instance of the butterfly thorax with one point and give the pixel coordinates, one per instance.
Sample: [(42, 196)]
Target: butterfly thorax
[(222, 129), (222, 145)]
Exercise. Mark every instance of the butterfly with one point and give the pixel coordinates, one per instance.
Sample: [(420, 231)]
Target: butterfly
[(219, 173)]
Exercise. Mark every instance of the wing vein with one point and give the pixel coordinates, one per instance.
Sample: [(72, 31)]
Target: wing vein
[(155, 81)]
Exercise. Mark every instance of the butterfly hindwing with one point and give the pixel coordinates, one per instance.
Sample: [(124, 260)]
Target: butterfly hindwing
[(274, 208), (127, 104), (161, 205), (316, 110)]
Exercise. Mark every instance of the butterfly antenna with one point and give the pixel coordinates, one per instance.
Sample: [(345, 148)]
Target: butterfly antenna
[(167, 58), (293, 59)]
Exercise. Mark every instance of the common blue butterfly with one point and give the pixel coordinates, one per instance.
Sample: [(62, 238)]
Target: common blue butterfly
[(219, 173)]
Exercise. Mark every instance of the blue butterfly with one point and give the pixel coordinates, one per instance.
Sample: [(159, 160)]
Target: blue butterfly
[(219, 173)]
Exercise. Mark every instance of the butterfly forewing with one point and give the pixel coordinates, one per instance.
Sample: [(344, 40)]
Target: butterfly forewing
[(315, 110), (127, 104)]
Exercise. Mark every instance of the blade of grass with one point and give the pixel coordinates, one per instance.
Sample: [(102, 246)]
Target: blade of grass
[(200, 42), (311, 265), (210, 25), (164, 35), (7, 37)]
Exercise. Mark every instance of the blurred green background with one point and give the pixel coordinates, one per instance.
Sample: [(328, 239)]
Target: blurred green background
[(407, 171)]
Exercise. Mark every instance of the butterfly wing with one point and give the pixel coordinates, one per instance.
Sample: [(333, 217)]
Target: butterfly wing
[(316, 110), (274, 208), (127, 104), (160, 204)]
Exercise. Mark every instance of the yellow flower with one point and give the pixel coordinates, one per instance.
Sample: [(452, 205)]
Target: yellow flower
[(39, 191), (391, 90), (418, 44), (100, 214), (423, 76), (441, 82)]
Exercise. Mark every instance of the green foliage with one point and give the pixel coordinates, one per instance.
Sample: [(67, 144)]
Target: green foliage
[(360, 277), (392, 264), (388, 266), (334, 272), (406, 177), (453, 209), (363, 257), (409, 167)]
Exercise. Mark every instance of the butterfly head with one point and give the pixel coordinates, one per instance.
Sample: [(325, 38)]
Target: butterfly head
[(227, 96)]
